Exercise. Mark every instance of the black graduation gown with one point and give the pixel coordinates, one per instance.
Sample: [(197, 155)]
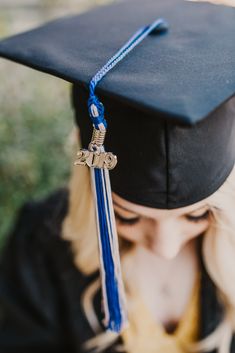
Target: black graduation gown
[(40, 288)]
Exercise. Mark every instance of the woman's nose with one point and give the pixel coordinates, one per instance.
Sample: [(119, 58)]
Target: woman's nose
[(165, 241)]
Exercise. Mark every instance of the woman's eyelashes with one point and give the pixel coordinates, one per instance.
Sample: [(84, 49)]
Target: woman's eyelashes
[(136, 219), (199, 218), (127, 221)]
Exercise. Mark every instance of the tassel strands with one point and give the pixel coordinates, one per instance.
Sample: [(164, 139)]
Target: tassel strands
[(112, 287)]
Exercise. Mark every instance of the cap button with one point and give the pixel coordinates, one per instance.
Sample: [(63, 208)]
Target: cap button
[(160, 29)]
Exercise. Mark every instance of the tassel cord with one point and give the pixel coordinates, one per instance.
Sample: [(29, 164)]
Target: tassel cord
[(136, 39)]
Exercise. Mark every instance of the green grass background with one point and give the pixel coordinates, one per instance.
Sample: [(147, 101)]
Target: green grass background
[(35, 125)]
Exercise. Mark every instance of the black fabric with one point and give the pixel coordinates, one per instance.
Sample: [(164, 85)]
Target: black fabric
[(186, 73), (162, 164), (40, 288), (169, 104)]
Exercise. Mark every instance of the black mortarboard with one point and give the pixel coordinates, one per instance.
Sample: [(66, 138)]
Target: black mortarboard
[(168, 83), (169, 104)]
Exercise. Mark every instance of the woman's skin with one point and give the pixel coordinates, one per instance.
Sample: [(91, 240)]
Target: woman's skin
[(166, 259)]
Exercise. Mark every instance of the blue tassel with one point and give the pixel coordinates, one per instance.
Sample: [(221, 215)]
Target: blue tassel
[(100, 161), (115, 317)]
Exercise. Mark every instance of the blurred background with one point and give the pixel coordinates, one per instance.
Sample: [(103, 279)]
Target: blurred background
[(36, 119)]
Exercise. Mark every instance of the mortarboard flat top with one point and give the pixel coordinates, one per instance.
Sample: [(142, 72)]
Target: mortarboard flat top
[(167, 73)]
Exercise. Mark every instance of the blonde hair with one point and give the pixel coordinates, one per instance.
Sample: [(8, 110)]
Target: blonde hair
[(218, 249)]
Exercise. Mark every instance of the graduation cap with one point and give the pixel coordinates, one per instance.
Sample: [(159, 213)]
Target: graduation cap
[(165, 97)]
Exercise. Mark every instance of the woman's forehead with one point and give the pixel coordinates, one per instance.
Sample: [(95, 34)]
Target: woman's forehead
[(149, 211)]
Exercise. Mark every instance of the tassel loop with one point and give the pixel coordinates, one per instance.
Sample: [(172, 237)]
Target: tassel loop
[(96, 112)]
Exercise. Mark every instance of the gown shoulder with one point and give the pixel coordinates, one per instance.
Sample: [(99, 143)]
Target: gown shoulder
[(36, 281)]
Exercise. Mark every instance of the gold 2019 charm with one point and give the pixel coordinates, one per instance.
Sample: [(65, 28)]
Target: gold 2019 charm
[(95, 156), (96, 159)]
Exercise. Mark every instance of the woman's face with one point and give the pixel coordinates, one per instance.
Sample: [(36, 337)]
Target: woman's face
[(163, 232)]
